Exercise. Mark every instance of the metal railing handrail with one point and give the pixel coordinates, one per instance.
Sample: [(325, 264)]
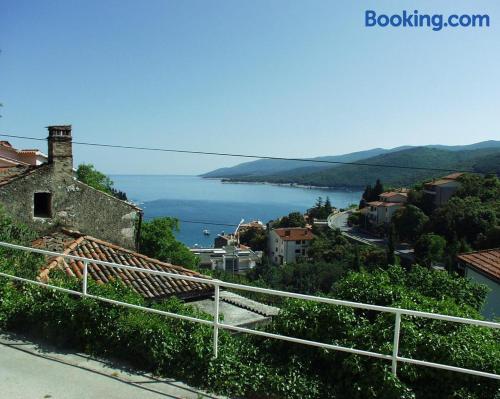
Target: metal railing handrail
[(217, 324)]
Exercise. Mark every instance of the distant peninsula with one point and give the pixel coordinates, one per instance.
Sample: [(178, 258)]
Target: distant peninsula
[(483, 157)]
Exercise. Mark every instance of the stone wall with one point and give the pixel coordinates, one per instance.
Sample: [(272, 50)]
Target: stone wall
[(74, 205)]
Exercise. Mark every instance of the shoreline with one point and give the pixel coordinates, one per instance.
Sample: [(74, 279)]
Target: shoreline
[(225, 180)]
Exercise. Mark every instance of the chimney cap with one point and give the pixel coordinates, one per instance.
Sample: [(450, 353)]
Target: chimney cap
[(59, 127)]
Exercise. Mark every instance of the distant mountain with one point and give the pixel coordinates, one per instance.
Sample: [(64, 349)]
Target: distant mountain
[(480, 157), (268, 167)]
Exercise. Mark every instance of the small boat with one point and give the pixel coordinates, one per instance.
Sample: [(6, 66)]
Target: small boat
[(206, 232)]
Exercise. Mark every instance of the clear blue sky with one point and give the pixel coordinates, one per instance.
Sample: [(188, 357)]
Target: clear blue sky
[(287, 78)]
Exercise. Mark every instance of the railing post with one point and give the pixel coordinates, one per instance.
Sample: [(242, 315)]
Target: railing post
[(395, 346), (85, 277), (216, 319)]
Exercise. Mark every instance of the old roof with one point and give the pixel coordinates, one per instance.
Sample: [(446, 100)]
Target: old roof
[(148, 285), (394, 193), (486, 261), (10, 174), (294, 233), (384, 204)]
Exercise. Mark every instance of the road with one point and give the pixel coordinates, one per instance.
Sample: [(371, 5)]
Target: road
[(339, 221), (29, 371)]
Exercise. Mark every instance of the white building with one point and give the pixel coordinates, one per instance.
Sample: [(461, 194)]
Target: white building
[(10, 156), (287, 245), (381, 212), (230, 258), (484, 267)]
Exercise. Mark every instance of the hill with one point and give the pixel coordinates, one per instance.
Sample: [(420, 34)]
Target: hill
[(484, 160), (263, 168)]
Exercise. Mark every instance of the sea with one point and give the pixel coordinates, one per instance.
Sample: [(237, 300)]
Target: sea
[(210, 204)]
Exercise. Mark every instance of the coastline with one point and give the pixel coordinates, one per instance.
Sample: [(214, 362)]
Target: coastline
[(225, 180)]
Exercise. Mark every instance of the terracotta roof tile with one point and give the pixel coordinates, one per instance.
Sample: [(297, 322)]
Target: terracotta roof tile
[(294, 233), (486, 261), (148, 285)]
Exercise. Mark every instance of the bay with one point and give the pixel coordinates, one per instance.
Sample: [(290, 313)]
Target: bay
[(210, 204)]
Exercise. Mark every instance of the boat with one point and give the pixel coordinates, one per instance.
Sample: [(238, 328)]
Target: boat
[(206, 232)]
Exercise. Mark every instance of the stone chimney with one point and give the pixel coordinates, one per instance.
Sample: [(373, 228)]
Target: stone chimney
[(60, 148)]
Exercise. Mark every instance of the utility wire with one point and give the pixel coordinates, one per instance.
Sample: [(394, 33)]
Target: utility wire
[(225, 154)]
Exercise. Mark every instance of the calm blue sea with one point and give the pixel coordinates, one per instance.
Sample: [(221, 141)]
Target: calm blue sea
[(192, 198)]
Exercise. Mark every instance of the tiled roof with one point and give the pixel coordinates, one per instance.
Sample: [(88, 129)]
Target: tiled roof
[(294, 233), (148, 285), (453, 176), (385, 204), (394, 193), (486, 261), (9, 174)]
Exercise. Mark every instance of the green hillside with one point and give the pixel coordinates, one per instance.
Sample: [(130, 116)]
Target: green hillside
[(481, 160)]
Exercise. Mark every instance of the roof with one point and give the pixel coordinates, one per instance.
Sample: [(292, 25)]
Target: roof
[(384, 204), (294, 233), (147, 285), (8, 175), (486, 262), (393, 193), (453, 176)]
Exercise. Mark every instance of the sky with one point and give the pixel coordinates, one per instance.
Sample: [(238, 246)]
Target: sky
[(278, 78)]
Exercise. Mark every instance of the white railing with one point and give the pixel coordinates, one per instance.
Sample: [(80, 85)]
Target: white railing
[(216, 324)]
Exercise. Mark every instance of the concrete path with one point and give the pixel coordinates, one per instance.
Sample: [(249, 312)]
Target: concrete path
[(29, 371)]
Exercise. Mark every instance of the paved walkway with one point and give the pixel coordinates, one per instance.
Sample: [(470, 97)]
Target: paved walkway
[(29, 371)]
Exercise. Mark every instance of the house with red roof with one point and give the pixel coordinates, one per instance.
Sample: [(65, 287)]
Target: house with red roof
[(289, 244)]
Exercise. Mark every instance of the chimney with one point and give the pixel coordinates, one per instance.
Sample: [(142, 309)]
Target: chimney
[(60, 148)]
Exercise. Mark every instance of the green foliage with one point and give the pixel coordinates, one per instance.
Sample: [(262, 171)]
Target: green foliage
[(254, 238), (429, 248), (87, 174), (464, 218), (294, 219), (409, 222), (158, 241), (321, 210)]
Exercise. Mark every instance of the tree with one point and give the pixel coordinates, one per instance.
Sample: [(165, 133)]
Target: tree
[(254, 238), (157, 240), (87, 174), (465, 218), (294, 219), (409, 222), (391, 257), (429, 248)]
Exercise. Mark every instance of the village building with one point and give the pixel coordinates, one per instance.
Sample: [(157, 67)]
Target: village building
[(288, 245), (235, 309), (236, 259), (10, 156), (47, 197), (484, 267), (441, 190), (381, 212)]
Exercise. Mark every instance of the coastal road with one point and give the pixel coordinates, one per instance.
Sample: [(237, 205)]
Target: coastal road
[(339, 221)]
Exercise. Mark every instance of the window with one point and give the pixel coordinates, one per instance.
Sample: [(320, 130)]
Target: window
[(297, 242), (42, 205), (297, 251)]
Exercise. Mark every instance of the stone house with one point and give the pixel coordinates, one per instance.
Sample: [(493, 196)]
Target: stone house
[(47, 197)]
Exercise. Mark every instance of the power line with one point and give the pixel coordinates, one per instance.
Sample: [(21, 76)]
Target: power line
[(226, 154)]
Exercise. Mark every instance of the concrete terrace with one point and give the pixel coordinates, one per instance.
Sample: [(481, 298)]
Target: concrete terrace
[(31, 370)]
